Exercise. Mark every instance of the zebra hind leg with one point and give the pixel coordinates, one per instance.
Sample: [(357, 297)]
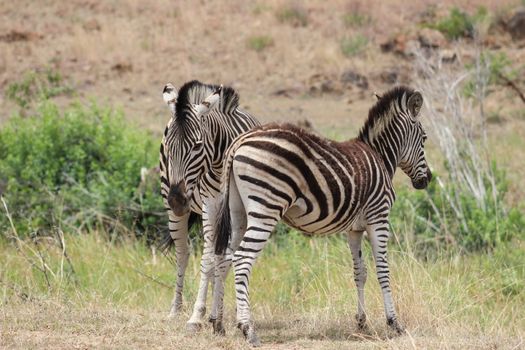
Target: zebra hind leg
[(378, 235), (223, 262), (259, 229), (354, 241)]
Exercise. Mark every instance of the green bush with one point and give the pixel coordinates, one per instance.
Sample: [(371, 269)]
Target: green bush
[(459, 23), (356, 20), (260, 42), (294, 14), (35, 86), (79, 168), (435, 225), (498, 63), (354, 45)]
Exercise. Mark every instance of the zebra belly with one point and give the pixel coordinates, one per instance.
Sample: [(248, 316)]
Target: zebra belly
[(330, 224)]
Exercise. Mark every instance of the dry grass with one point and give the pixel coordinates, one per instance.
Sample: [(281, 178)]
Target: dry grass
[(302, 296)]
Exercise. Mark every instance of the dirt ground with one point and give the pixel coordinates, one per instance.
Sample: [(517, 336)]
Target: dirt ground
[(52, 325)]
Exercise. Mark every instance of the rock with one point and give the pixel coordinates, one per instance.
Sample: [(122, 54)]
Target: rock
[(351, 77), (122, 67), (92, 25), (17, 35), (399, 74), (320, 84), (516, 24), (287, 92), (448, 56), (388, 77), (431, 38), (400, 45)]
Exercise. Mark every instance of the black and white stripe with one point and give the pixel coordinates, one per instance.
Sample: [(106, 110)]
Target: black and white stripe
[(280, 172)]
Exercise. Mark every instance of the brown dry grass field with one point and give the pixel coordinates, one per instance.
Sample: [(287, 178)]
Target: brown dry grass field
[(314, 61)]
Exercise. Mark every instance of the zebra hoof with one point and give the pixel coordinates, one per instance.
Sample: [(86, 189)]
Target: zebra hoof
[(193, 327), (361, 322), (218, 328), (174, 312), (396, 326), (249, 334)]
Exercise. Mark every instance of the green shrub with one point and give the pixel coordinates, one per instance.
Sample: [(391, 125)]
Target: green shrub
[(499, 64), (260, 42), (294, 14), (79, 168), (37, 85), (459, 23), (435, 224), (356, 20), (354, 45)]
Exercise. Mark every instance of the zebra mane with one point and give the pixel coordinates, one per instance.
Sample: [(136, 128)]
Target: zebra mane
[(382, 112), (194, 92)]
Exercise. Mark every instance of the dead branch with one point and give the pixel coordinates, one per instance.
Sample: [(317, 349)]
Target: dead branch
[(512, 85)]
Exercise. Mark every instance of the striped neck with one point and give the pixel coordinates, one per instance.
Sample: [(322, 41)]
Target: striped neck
[(388, 148)]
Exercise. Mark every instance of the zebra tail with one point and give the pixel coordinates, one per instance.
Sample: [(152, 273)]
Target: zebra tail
[(224, 224)]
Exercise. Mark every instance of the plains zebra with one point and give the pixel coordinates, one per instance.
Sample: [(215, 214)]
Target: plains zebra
[(192, 145), (319, 187)]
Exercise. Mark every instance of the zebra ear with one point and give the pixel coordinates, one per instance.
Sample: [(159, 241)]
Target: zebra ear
[(414, 103), (169, 94), (209, 102)]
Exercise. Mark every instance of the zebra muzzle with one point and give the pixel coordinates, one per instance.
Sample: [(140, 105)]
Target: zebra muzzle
[(178, 200), (422, 182)]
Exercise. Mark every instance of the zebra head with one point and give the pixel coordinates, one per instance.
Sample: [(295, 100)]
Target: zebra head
[(184, 149), (412, 158)]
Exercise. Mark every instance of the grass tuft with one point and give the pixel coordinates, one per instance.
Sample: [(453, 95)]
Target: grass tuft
[(294, 14), (259, 43), (353, 46)]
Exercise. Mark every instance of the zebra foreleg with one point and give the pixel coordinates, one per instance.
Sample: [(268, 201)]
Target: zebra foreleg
[(354, 241), (178, 227), (378, 235), (207, 269)]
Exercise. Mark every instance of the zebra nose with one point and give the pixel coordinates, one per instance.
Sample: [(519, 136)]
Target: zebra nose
[(177, 198)]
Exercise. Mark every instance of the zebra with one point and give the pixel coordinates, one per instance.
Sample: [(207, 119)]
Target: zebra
[(319, 187), (186, 154)]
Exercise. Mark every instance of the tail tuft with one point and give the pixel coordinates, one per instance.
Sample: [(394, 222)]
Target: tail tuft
[(224, 226)]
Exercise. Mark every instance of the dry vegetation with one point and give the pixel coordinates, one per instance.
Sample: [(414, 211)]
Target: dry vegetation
[(115, 296), (290, 60)]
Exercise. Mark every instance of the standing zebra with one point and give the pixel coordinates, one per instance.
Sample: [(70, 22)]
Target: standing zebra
[(319, 187), (192, 145)]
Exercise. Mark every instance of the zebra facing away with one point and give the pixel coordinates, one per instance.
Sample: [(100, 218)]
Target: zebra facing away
[(192, 145), (319, 187)]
